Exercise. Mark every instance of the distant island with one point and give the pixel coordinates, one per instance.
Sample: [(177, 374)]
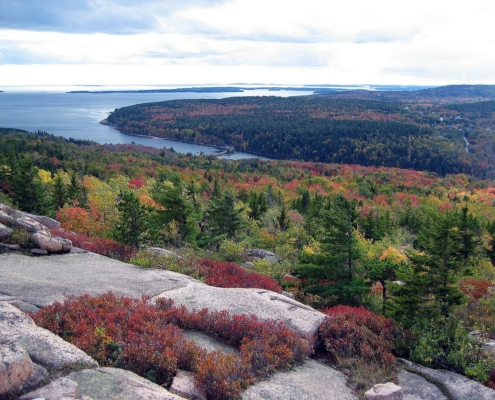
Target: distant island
[(316, 89)]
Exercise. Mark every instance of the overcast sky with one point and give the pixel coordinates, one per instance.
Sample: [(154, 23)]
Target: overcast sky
[(177, 42)]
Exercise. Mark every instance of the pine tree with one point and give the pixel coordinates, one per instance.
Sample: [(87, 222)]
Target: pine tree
[(430, 289), (176, 207), (134, 220), (225, 218), (59, 192), (339, 258)]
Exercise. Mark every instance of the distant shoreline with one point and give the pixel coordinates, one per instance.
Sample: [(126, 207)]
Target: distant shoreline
[(222, 150)]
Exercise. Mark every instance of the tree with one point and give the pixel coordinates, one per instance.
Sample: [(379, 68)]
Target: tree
[(28, 192), (334, 269), (177, 209), (224, 218), (134, 220), (435, 266), (59, 192)]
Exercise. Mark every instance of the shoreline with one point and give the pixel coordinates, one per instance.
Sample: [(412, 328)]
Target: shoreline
[(222, 150)]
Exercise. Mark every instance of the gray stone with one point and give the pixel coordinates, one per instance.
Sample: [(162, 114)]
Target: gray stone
[(459, 387), (29, 224), (56, 390), (5, 218), (385, 391), (15, 365), (248, 264), (163, 252), (46, 221), (264, 255), (289, 295), (39, 376), (183, 385), (416, 387), (44, 348), (43, 281), (262, 303), (208, 343), (118, 384), (38, 252), (312, 381), (5, 232), (52, 244)]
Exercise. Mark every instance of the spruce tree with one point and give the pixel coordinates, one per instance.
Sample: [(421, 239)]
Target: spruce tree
[(435, 266), (339, 259), (134, 220)]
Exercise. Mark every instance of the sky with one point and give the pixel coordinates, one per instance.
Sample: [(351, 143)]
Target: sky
[(280, 42)]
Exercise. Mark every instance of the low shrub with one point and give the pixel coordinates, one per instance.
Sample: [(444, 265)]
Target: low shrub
[(357, 332), (105, 247), (147, 339), (227, 275)]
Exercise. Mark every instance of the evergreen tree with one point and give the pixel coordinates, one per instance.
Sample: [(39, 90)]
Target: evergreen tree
[(339, 258), (59, 192), (28, 192), (282, 219), (176, 207), (134, 220), (225, 218), (430, 289)]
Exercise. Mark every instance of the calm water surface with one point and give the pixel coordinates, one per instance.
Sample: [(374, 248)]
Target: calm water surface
[(78, 115)]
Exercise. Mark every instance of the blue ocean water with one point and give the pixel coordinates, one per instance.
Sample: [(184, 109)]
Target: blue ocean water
[(78, 115)]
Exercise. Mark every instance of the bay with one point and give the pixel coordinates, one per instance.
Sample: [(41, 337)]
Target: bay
[(78, 115)]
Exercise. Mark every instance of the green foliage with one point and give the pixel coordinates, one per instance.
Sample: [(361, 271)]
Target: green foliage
[(338, 260), (445, 343), (134, 220)]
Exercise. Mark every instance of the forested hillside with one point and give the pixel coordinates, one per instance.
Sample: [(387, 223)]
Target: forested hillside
[(421, 136), (343, 235)]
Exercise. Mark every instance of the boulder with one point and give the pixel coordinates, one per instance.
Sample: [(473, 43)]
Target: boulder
[(458, 387), (6, 219), (15, 365), (52, 244), (5, 232), (312, 380), (264, 304), (39, 376), (30, 225), (416, 387), (208, 343), (183, 385), (38, 252), (46, 221), (118, 384), (58, 389), (163, 252), (385, 391), (264, 255), (44, 348)]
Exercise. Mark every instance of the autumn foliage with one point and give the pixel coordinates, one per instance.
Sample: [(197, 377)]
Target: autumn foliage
[(357, 332), (147, 339), (228, 275), (105, 247)]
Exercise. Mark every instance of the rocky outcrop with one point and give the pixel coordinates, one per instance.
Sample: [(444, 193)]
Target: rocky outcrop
[(15, 365), (262, 303), (262, 254), (312, 380), (38, 227), (385, 391), (452, 385)]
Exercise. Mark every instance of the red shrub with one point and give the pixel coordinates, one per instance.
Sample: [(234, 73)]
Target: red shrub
[(475, 289), (351, 332), (132, 334), (103, 246), (228, 275)]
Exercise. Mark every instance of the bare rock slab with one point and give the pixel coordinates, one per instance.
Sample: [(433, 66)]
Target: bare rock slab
[(44, 348), (208, 343), (43, 281), (312, 380), (416, 387), (183, 385), (15, 365), (385, 391), (118, 384), (458, 386), (58, 389), (262, 303)]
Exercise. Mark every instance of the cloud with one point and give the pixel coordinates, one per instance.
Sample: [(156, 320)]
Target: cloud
[(91, 16)]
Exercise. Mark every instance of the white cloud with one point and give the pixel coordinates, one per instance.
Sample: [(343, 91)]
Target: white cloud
[(357, 41)]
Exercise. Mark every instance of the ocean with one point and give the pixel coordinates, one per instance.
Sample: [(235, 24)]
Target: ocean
[(78, 115)]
